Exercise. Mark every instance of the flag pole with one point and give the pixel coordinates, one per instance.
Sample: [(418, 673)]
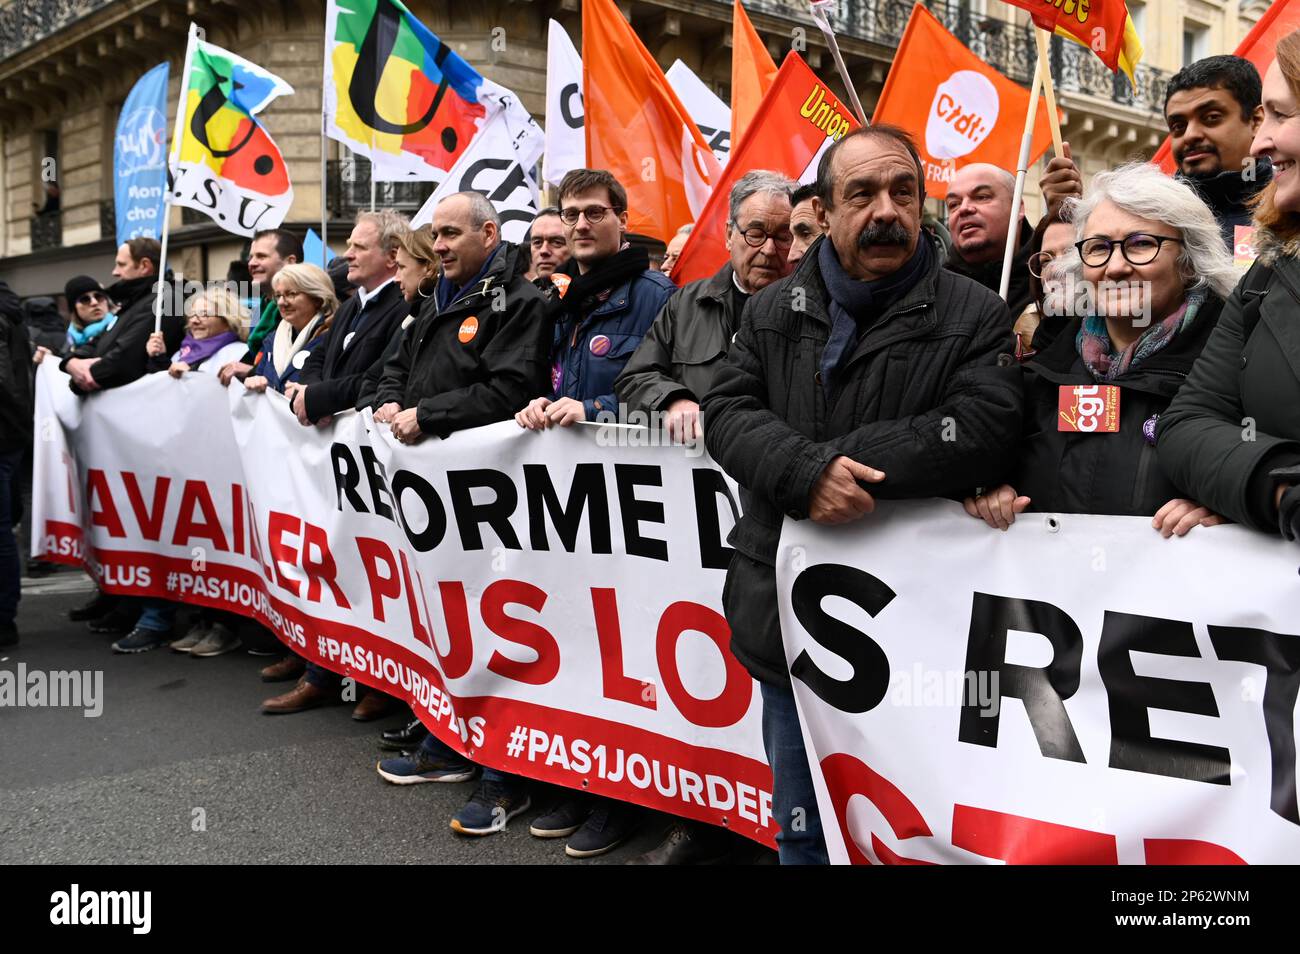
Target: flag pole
[(1049, 91), (1022, 168), (372, 182), (167, 194), (819, 16), (324, 203)]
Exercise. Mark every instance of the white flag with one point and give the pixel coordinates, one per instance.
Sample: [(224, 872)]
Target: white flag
[(499, 164), (566, 145), (710, 113)]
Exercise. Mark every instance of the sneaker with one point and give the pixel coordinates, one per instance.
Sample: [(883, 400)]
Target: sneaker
[(424, 766), (610, 824), (191, 639), (491, 806), (218, 640), (562, 820), (140, 641)]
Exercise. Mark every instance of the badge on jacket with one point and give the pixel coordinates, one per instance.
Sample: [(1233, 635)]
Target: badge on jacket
[(599, 345), (561, 282), (468, 329), (1088, 408)]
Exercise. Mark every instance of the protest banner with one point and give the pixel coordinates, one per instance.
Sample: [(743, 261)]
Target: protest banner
[(1077, 690), (140, 158)]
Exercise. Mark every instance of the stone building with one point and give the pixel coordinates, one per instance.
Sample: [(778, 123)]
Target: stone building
[(67, 65)]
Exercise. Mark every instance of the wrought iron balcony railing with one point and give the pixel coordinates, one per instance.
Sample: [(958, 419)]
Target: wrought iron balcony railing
[(47, 231), (1005, 46), (348, 184), (25, 23)]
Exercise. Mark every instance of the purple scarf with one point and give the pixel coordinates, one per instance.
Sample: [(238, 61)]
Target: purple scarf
[(194, 351)]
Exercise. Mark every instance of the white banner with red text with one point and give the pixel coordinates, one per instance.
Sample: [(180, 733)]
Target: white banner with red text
[(1076, 690), (549, 604)]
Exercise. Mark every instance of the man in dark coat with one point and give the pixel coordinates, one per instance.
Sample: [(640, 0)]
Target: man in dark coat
[(15, 435), (672, 369), (118, 356), (332, 377), (870, 365), (979, 216)]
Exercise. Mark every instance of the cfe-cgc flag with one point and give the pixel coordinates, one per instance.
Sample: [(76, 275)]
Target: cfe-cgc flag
[(798, 118), (959, 108), (1104, 26), (140, 158), (711, 115), (224, 162), (397, 94), (638, 129)]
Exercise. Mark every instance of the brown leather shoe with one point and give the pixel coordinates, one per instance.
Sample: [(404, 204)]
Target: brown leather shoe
[(375, 705), (300, 698), (290, 667)]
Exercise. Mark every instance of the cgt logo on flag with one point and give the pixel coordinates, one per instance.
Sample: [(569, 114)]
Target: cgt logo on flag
[(1090, 408), (964, 112)]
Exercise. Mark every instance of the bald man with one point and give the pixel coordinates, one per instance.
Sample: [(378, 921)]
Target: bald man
[(979, 213)]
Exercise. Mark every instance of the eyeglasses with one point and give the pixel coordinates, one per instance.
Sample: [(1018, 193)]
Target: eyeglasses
[(1137, 249), (91, 297), (594, 214), (1038, 261), (757, 238), (287, 295)]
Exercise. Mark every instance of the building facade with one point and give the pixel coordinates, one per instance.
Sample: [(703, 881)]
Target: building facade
[(67, 65)]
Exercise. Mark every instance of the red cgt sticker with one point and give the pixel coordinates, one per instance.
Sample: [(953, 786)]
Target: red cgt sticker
[(1088, 408)]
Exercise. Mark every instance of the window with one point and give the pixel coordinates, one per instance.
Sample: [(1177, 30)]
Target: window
[(1195, 40)]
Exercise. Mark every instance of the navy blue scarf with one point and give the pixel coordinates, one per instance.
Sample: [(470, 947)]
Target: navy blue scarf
[(856, 305), (448, 293)]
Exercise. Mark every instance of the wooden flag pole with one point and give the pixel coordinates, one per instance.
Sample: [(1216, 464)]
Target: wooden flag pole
[(173, 170), (1049, 91), (1022, 168), (819, 16)]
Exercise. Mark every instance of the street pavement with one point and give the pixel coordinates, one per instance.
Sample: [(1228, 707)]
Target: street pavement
[(178, 735)]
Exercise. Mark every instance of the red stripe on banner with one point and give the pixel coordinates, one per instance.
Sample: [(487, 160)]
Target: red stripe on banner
[(540, 742)]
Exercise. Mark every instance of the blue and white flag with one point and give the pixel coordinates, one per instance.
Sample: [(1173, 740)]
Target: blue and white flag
[(140, 158)]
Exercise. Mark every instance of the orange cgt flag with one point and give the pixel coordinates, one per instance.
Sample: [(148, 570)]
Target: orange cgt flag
[(752, 71), (798, 118), (637, 128), (1259, 47), (959, 108)]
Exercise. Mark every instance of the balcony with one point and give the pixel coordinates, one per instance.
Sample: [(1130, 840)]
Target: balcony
[(1005, 46), (348, 183), (47, 231)]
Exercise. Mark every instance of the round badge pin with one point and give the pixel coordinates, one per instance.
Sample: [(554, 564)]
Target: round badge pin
[(599, 345), (1149, 429)]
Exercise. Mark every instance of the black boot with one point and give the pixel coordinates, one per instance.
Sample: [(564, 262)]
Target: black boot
[(408, 736)]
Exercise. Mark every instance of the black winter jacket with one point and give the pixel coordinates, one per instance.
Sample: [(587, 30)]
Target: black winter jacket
[(15, 374), (336, 367), (683, 348), (120, 349), (1238, 416), (472, 364), (1117, 473), (989, 274), (931, 395)]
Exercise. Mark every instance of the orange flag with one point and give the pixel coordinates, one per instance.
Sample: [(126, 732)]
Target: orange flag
[(797, 119), (1259, 47), (959, 108), (637, 128), (752, 71), (1104, 26)]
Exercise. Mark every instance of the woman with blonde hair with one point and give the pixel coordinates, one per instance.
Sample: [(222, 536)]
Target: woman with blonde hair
[(216, 326), (305, 294), (1232, 436)]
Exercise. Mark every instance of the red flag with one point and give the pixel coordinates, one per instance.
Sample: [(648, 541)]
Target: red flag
[(798, 117), (1104, 26), (1259, 47)]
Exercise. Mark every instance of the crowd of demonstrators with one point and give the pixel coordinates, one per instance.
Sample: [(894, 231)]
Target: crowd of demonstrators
[(893, 372)]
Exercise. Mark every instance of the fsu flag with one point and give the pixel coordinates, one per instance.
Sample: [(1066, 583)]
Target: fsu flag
[(1104, 26), (224, 163), (1259, 47), (638, 129), (396, 93), (798, 118), (959, 108)]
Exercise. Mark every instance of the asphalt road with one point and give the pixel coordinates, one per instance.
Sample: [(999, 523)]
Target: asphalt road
[(178, 734)]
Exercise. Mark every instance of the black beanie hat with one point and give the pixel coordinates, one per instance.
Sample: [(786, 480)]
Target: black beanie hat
[(78, 286)]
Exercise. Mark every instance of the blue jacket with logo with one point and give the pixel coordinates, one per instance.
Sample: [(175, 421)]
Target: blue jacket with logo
[(588, 355)]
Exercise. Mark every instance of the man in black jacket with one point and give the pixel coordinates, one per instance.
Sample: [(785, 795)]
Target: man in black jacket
[(870, 365), (979, 217), (332, 377), (117, 357), (15, 435), (1212, 109)]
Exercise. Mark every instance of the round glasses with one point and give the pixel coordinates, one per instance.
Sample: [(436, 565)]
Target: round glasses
[(757, 238), (594, 214), (1137, 249)]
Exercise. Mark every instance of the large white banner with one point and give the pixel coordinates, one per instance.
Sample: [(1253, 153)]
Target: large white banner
[(1075, 690), (566, 144), (548, 603)]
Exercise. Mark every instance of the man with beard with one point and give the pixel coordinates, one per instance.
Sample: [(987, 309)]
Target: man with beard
[(887, 376), (117, 356), (979, 215), (1212, 109)]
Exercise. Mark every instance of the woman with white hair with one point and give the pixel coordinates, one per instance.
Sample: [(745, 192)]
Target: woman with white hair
[(305, 294), (216, 326), (1144, 283)]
